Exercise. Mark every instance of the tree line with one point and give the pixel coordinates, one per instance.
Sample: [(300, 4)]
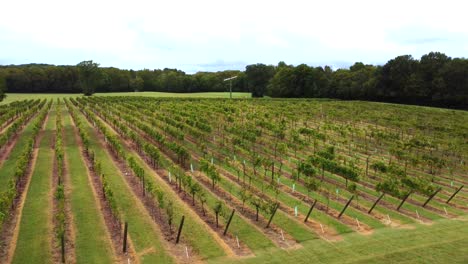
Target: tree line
[(87, 77), (435, 80)]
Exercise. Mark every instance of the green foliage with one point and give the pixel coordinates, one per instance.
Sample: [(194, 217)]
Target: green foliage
[(2, 86), (379, 166), (333, 167), (7, 197), (137, 84), (392, 187), (311, 184), (306, 168), (89, 76), (257, 77), (218, 207), (24, 111), (170, 212), (210, 170), (328, 153)]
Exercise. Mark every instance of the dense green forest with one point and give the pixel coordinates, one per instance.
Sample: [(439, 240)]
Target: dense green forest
[(435, 80)]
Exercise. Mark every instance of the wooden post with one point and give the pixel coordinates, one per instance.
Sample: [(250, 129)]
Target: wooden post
[(455, 193), (376, 202), (62, 240), (346, 206), (124, 249), (367, 167), (403, 201), (323, 171), (180, 229), (310, 211), (229, 222), (273, 214), (432, 196), (144, 191)]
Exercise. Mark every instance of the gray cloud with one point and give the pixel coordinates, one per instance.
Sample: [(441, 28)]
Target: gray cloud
[(203, 36)]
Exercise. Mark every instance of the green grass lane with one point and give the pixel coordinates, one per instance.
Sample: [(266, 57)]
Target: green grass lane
[(35, 227), (446, 241), (92, 242)]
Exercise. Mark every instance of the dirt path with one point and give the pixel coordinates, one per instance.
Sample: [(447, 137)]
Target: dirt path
[(71, 232), (54, 242), (69, 236)]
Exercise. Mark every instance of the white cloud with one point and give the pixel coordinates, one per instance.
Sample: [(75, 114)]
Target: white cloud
[(184, 34)]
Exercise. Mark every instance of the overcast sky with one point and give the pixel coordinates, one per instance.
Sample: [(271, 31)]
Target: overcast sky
[(203, 35)]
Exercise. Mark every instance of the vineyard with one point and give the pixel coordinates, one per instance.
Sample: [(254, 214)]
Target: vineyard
[(128, 179)]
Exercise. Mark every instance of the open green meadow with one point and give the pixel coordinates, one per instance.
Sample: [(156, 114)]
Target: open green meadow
[(198, 178)]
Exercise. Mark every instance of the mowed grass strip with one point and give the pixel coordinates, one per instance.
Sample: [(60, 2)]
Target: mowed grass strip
[(446, 241), (144, 236), (35, 228), (92, 242)]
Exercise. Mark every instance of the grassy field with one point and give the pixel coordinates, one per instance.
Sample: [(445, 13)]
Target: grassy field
[(239, 154), (446, 241), (11, 97)]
